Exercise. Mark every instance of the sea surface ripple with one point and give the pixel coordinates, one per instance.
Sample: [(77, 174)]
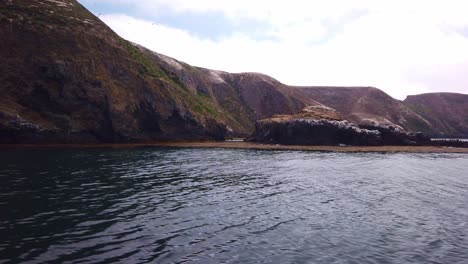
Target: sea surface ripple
[(163, 205)]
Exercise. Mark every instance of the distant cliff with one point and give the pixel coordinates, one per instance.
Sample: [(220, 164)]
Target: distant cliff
[(368, 106), (446, 112)]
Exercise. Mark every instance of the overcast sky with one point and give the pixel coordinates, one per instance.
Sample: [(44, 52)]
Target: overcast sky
[(402, 47)]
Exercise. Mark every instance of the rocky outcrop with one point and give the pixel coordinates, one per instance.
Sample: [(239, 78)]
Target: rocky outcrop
[(312, 132), (394, 135), (324, 126)]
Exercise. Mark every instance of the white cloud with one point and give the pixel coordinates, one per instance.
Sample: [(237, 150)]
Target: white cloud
[(402, 47)]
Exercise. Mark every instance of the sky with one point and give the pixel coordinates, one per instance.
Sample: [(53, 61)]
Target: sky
[(403, 47)]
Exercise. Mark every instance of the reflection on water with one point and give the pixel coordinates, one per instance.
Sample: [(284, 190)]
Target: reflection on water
[(232, 206)]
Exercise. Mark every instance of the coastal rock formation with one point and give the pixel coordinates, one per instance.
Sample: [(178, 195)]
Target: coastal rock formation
[(65, 77), (395, 136), (318, 125)]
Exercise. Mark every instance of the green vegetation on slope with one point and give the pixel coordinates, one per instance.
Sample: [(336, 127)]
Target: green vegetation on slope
[(47, 14), (199, 102)]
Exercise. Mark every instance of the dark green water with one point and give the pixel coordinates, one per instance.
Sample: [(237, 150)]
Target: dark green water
[(231, 206)]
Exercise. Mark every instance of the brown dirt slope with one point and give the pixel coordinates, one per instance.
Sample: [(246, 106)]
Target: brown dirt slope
[(367, 106), (447, 112)]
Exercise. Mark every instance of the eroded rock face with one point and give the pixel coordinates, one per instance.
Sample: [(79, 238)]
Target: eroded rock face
[(297, 131), (323, 126)]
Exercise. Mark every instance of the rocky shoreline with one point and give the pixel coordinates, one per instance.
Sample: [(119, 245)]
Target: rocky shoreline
[(246, 145), (320, 125)]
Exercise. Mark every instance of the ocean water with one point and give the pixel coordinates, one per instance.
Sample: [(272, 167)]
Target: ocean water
[(162, 205)]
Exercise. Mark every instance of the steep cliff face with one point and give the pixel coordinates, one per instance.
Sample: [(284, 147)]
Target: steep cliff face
[(447, 112), (66, 77)]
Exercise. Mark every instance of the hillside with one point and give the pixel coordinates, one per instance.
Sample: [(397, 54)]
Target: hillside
[(65, 77), (248, 97), (243, 97), (367, 105), (447, 112)]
